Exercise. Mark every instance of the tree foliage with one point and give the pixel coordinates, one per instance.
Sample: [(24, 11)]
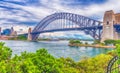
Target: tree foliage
[(75, 42), (96, 42), (20, 37), (109, 41), (118, 52)]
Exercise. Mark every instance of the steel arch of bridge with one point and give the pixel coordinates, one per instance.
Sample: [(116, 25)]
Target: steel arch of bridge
[(89, 26)]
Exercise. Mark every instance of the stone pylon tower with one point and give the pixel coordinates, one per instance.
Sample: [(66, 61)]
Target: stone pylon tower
[(29, 34), (108, 28)]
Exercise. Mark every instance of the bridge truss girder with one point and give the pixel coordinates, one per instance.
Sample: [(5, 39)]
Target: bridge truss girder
[(93, 27)]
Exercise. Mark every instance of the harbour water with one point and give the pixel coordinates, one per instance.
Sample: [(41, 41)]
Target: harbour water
[(55, 48)]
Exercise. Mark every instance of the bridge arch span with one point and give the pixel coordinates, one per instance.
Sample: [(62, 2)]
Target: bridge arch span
[(90, 25)]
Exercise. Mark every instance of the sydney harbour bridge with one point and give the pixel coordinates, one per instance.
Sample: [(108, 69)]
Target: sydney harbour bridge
[(108, 29)]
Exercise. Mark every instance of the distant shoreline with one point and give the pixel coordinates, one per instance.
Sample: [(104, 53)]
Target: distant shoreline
[(89, 45)]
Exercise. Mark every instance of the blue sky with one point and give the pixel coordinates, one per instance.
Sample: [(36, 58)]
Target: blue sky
[(25, 13)]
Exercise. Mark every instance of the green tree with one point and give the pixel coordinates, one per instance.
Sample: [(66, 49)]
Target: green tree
[(21, 37), (96, 42), (118, 52), (109, 41), (75, 42), (5, 52)]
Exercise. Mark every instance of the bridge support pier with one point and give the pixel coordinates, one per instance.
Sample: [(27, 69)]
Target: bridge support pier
[(109, 31), (29, 38)]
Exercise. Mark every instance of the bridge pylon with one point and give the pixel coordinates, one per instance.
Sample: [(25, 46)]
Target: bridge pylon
[(109, 31), (29, 38)]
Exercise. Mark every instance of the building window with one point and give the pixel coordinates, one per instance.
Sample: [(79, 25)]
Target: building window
[(107, 23), (114, 22)]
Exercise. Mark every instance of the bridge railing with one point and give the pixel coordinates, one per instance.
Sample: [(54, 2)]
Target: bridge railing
[(113, 65)]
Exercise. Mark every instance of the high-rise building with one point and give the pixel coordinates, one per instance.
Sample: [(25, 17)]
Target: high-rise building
[(12, 31), (0, 31), (29, 34), (6, 32)]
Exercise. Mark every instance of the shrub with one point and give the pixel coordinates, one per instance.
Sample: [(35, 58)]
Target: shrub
[(75, 42), (96, 42), (86, 43), (114, 42)]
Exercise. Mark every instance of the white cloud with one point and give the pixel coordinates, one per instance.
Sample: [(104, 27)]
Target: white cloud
[(91, 10), (52, 6), (36, 13), (94, 10), (17, 0)]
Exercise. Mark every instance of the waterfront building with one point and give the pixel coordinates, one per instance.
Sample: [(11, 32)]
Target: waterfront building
[(6, 32)]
